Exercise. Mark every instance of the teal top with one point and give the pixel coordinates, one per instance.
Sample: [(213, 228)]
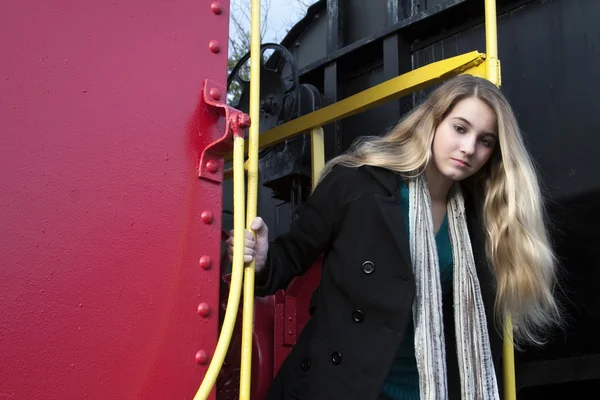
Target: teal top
[(402, 381)]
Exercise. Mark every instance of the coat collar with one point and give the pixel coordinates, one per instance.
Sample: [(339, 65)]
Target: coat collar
[(386, 178)]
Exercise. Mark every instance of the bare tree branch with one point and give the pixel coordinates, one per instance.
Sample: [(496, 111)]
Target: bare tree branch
[(240, 33)]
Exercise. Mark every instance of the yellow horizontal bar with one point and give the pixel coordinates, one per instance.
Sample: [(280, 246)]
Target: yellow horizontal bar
[(478, 70), (384, 92)]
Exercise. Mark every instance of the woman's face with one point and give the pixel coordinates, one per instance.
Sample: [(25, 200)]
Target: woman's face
[(464, 140)]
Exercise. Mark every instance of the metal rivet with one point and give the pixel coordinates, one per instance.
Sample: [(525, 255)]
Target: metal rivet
[(244, 121), (201, 357), (207, 217), (204, 309), (215, 93), (212, 167), (216, 7), (214, 46), (205, 262)]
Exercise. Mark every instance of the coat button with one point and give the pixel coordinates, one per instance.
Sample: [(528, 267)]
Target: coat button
[(368, 267), (305, 366), (358, 316), (336, 357)]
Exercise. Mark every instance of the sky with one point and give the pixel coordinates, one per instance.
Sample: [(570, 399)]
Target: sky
[(283, 14)]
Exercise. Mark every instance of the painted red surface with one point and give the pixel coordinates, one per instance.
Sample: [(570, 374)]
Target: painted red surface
[(101, 233), (291, 312)]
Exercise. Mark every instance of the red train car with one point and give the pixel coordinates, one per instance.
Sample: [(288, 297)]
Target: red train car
[(114, 122), (109, 240)]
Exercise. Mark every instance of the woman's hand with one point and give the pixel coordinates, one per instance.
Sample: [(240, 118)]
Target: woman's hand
[(253, 249)]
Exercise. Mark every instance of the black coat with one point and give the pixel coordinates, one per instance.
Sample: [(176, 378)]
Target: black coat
[(363, 304)]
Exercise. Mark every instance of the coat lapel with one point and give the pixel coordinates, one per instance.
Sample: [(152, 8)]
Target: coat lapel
[(390, 208)]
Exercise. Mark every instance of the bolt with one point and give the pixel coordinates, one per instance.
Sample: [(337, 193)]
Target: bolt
[(244, 121), (205, 262), (214, 46), (207, 217), (203, 309), (201, 357), (212, 166), (216, 7), (215, 93)]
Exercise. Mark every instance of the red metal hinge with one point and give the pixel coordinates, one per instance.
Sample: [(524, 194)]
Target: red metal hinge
[(217, 127)]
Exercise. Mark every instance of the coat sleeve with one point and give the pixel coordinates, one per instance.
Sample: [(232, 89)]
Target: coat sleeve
[(292, 253)]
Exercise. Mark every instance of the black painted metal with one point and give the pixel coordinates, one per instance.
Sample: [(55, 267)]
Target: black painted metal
[(331, 89)]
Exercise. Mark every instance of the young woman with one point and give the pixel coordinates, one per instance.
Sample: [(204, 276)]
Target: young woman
[(431, 236)]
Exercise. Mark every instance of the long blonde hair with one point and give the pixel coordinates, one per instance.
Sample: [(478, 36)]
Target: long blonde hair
[(517, 243)]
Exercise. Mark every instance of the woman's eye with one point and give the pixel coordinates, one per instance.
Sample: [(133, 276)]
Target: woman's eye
[(487, 142), (459, 129)]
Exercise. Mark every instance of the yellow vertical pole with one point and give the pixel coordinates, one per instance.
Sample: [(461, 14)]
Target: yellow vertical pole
[(508, 362), (493, 75), (317, 147), (491, 43), (248, 314), (235, 288)]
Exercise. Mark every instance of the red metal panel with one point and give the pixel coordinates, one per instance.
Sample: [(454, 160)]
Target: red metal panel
[(292, 312), (101, 204)]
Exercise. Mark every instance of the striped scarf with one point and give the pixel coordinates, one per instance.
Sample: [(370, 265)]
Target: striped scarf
[(477, 376)]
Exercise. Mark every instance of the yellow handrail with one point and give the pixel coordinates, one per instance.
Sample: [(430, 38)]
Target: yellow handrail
[(239, 217), (317, 148), (383, 93), (494, 76), (491, 43), (235, 289), (508, 361), (248, 313)]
